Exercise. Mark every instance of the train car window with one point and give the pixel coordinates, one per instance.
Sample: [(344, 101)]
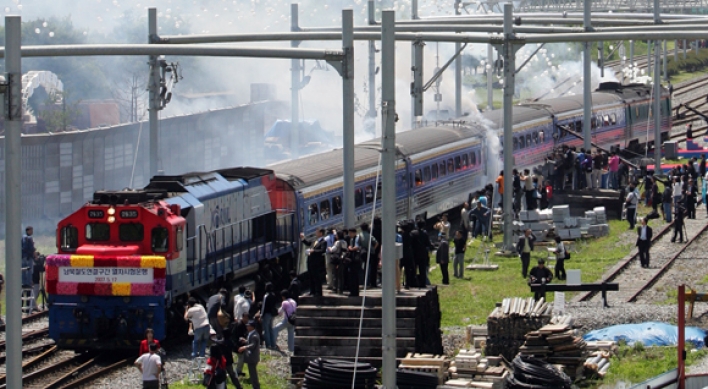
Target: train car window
[(535, 137), (541, 137), (179, 239), (324, 210), (358, 198), (369, 194), (443, 169), (528, 140), (613, 119), (593, 122), (522, 142), (450, 166), (378, 191), (418, 178), (337, 204), (605, 120), (160, 239), (426, 174), (458, 164), (131, 232), (434, 171), (314, 214), (465, 161), (69, 238), (473, 158), (97, 232), (516, 143)]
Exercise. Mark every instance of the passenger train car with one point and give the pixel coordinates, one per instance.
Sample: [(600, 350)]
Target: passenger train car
[(127, 260)]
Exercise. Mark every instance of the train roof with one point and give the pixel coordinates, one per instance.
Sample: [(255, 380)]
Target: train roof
[(206, 185), (315, 169)]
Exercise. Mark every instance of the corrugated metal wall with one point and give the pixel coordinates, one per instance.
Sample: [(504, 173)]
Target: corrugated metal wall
[(61, 171)]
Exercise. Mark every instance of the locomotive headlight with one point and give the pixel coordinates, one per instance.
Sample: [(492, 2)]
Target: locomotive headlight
[(111, 211), (111, 219)]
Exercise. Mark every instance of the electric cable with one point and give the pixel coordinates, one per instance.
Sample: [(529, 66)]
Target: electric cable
[(533, 373)]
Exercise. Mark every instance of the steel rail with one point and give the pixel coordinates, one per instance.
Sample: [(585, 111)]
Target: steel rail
[(623, 265), (85, 379), (72, 373), (31, 362), (28, 318), (30, 335), (28, 351), (666, 266)]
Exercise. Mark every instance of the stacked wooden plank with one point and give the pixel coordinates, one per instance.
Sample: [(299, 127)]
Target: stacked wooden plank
[(328, 327), (509, 323), (426, 363), (469, 368), (558, 345)]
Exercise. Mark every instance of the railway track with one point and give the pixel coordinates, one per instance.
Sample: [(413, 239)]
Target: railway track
[(29, 319), (633, 280)]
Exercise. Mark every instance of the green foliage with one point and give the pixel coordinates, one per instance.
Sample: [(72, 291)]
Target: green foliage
[(266, 378), (694, 62), (470, 300), (635, 364), (58, 113)]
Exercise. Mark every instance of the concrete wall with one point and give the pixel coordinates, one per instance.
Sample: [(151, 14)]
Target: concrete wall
[(61, 171)]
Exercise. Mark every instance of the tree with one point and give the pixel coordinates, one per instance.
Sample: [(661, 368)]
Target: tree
[(58, 114)]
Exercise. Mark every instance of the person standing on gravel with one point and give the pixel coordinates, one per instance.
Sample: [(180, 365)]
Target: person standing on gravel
[(149, 365), (197, 316), (524, 247), (252, 354), (630, 204), (680, 212), (644, 234)]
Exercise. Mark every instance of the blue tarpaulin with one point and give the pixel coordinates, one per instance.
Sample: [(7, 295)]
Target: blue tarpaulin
[(649, 334)]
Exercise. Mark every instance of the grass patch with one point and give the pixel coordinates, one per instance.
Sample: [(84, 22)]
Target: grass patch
[(268, 381), (635, 364), (469, 301)]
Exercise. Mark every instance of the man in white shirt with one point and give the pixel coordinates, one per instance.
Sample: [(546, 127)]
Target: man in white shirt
[(149, 365), (242, 302), (631, 206), (196, 314)]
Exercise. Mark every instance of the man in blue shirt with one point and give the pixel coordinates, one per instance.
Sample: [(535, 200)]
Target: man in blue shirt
[(29, 253), (482, 214)]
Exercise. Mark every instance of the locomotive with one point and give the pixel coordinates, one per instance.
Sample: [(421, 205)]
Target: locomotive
[(127, 259)]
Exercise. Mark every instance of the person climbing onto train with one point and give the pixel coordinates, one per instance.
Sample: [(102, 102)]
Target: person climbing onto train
[(29, 253), (196, 315), (145, 343), (215, 304)]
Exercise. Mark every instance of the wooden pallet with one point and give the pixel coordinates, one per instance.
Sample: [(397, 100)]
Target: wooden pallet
[(426, 363)]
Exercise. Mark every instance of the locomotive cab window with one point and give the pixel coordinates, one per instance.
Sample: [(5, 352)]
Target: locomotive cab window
[(97, 232), (69, 238), (337, 205), (131, 232), (314, 214), (160, 239), (324, 210)]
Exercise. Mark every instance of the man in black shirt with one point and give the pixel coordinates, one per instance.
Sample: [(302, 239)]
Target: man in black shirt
[(294, 288), (458, 264), (214, 305), (239, 333), (540, 275)]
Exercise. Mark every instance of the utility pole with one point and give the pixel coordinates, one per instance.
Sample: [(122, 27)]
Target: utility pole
[(388, 195), (417, 84), (12, 111), (657, 95), (458, 69), (154, 94), (489, 67), (372, 73), (587, 79), (509, 54), (295, 88), (348, 115)]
